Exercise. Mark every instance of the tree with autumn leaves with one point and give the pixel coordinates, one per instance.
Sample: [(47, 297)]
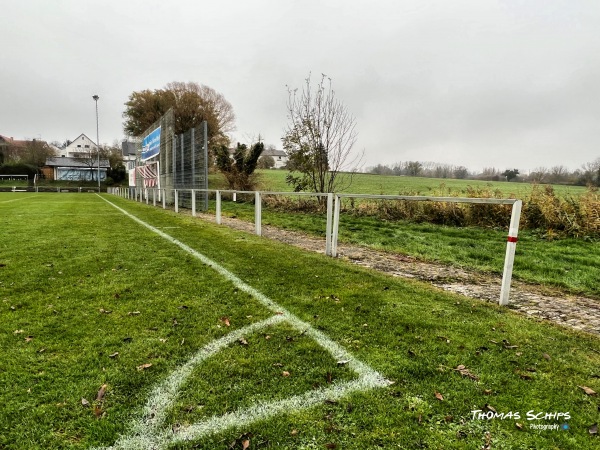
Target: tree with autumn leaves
[(192, 103)]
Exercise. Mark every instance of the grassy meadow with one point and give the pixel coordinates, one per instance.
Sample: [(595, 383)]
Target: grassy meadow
[(98, 310), (363, 183)]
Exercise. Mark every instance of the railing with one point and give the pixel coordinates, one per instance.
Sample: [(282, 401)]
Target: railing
[(333, 214)]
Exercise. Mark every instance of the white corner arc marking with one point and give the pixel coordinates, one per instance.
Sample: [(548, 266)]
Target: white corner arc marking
[(146, 433)]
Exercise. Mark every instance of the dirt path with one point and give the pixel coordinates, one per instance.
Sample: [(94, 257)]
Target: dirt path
[(568, 310)]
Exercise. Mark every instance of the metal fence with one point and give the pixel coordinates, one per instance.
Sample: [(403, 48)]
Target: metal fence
[(182, 162)]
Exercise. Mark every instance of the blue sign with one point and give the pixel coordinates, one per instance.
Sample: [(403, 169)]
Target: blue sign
[(151, 145)]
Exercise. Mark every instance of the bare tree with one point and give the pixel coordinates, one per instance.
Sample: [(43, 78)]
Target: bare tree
[(319, 139), (539, 175), (558, 174)]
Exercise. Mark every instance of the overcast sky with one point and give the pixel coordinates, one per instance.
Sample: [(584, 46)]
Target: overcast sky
[(480, 83)]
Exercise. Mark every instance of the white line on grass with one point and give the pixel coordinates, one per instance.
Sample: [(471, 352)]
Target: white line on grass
[(18, 199), (145, 430)]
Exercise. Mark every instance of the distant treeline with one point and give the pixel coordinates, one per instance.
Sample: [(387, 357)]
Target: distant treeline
[(587, 175)]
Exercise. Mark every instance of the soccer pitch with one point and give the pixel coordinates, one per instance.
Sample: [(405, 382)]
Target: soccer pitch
[(125, 326)]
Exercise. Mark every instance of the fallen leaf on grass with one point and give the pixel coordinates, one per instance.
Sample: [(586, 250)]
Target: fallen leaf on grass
[(343, 362), (547, 356), (593, 429), (487, 392), (439, 396), (225, 320), (465, 372), (105, 311), (524, 376), (113, 355), (294, 432), (98, 412), (285, 373), (519, 425), (133, 313), (587, 390), (85, 403), (331, 445), (144, 366), (29, 339), (17, 331), (245, 444), (101, 393), (243, 341), (490, 408)]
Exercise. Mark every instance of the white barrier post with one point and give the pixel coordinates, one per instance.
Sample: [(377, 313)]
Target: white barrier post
[(218, 208), (234, 197), (176, 200), (164, 199), (336, 225), (257, 213), (154, 197), (329, 224), (511, 246), (147, 196), (193, 203)]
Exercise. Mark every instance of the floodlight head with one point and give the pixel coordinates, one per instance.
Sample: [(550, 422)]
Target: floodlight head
[(95, 97)]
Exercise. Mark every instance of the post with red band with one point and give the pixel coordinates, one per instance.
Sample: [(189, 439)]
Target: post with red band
[(511, 246)]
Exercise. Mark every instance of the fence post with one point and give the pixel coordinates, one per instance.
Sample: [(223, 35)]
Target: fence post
[(164, 199), (218, 208), (329, 224), (154, 197), (234, 197), (193, 203), (176, 200), (257, 213), (336, 224), (147, 196), (511, 246)]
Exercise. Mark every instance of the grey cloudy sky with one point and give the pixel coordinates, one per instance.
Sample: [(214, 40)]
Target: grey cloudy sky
[(481, 83)]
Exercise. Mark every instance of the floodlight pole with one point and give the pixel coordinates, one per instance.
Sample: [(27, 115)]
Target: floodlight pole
[(95, 97)]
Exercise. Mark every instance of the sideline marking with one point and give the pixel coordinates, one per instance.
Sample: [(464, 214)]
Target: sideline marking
[(145, 432), (17, 199)]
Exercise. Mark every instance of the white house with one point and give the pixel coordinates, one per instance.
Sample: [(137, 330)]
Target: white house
[(279, 156), (79, 148)]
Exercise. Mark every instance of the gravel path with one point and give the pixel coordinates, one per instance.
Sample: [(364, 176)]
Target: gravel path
[(577, 312)]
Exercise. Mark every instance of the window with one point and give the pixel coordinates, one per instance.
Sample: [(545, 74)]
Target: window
[(86, 146)]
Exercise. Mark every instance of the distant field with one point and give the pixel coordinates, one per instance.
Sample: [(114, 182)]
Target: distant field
[(379, 184), (124, 326)]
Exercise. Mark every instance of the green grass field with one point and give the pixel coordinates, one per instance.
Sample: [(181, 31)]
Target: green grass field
[(363, 183), (170, 332)]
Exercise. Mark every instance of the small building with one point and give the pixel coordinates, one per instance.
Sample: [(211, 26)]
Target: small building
[(130, 150), (279, 156), (75, 169)]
